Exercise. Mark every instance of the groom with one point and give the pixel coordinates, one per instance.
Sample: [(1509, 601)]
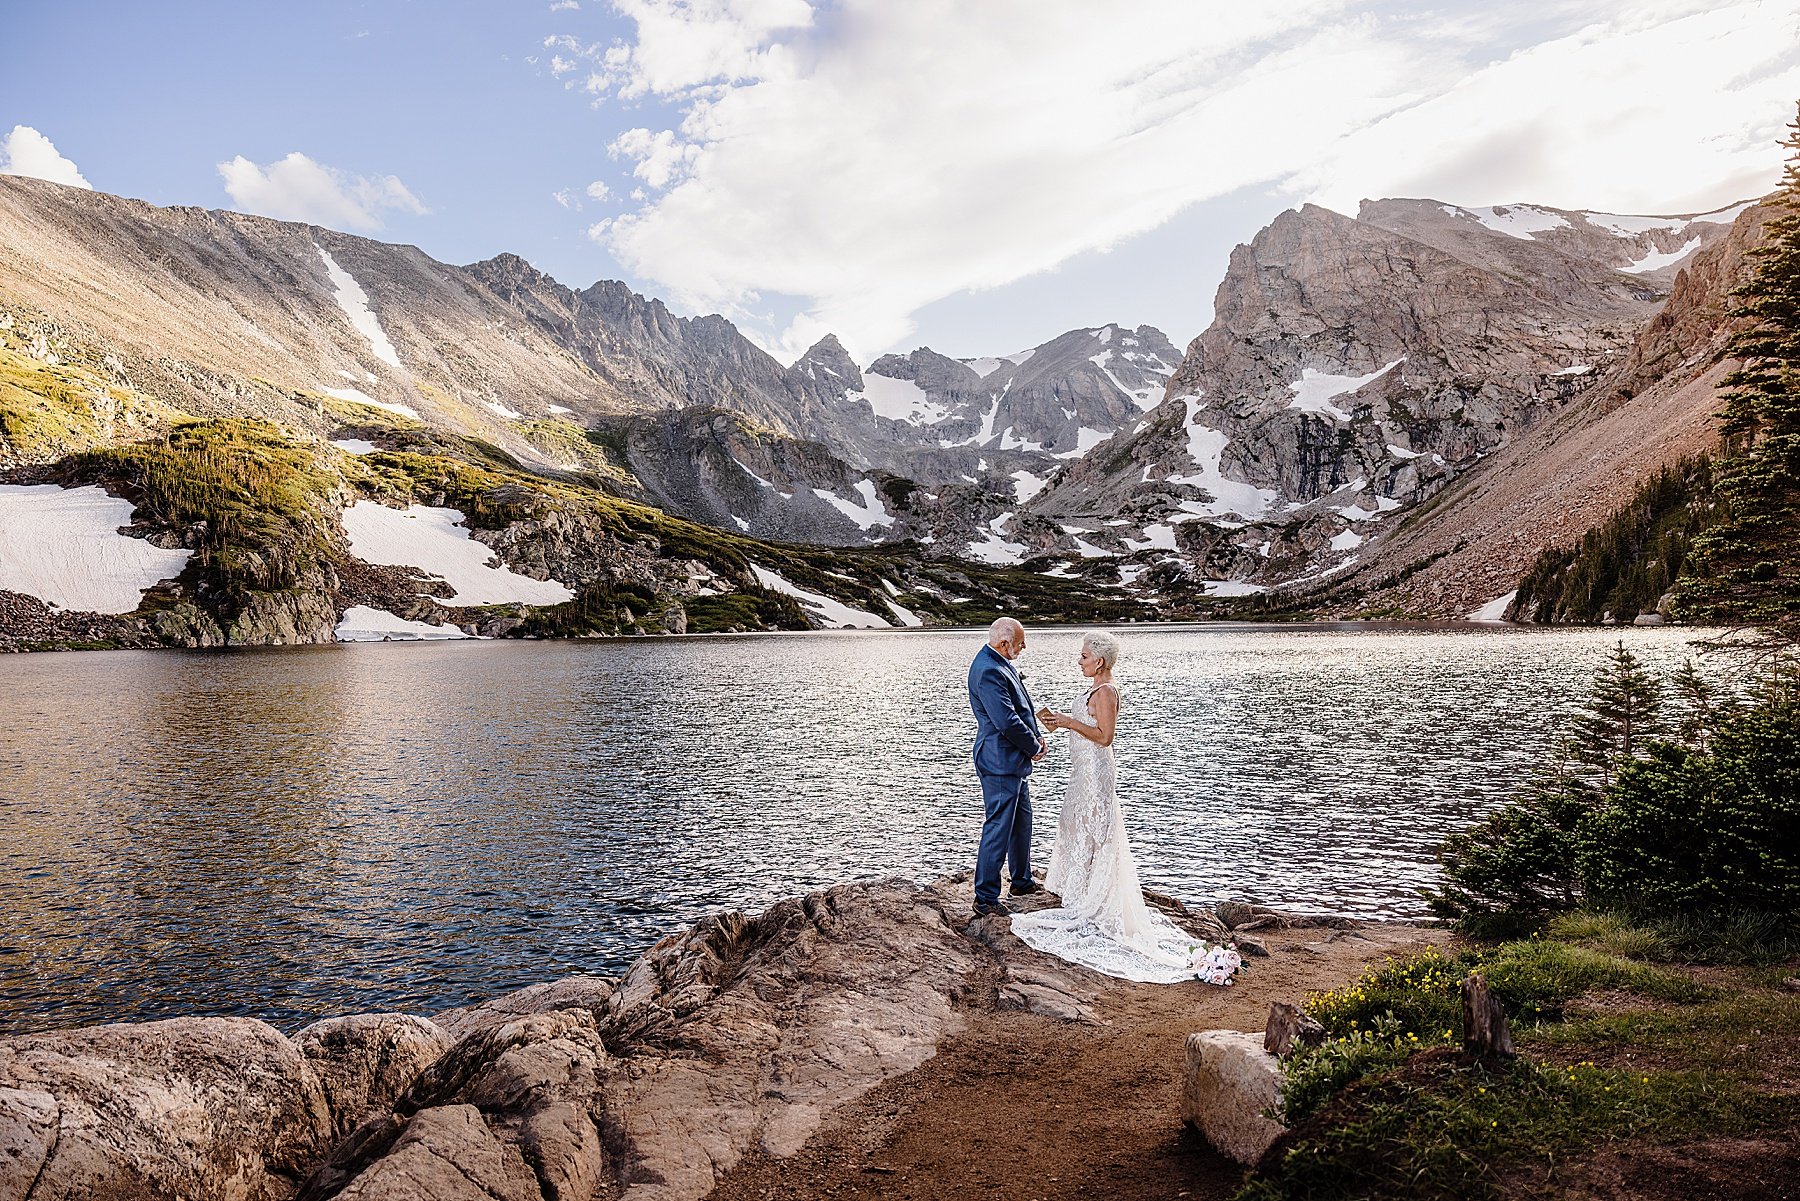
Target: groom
[(1006, 745)]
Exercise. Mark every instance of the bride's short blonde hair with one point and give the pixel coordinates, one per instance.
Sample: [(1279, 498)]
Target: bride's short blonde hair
[(1104, 646)]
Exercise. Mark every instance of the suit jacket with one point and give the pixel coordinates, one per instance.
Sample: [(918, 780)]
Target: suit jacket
[(1006, 734)]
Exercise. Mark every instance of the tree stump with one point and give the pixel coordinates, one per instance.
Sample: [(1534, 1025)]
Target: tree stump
[(1287, 1025), (1485, 1033)]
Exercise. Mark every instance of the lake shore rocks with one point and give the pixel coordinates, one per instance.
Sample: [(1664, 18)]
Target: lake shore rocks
[(737, 1037)]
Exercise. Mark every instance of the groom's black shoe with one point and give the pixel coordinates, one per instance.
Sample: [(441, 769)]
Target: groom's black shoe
[(984, 910), (1025, 888)]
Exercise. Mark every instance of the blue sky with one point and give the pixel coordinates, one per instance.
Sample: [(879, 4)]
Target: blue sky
[(972, 176)]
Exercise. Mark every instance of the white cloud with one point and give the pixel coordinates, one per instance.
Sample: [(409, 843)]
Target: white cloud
[(661, 156), (298, 189), (566, 198), (563, 6), (1660, 110), (598, 190), (560, 65), (895, 154), (25, 151)]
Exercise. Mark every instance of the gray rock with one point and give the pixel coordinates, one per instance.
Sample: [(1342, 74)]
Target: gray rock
[(571, 992), (366, 1061), (190, 1107), (1228, 1085), (28, 1124), (447, 1153)]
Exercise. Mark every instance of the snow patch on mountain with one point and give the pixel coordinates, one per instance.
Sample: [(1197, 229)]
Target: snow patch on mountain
[(354, 302), (1514, 220), (835, 614), (1315, 390), (870, 513), (364, 624), (1627, 226), (355, 396), (1206, 446), (1656, 260), (434, 541), (1085, 440), (898, 400), (63, 546), (1494, 610), (995, 548), (355, 446), (1026, 485)]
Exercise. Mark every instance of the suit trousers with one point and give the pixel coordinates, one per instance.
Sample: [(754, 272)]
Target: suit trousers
[(1005, 834)]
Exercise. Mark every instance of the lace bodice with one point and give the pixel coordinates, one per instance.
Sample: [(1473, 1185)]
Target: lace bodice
[(1103, 922)]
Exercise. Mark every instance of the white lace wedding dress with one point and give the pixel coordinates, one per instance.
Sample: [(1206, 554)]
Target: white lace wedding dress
[(1103, 922)]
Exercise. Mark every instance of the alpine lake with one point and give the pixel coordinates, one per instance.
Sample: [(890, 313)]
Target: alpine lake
[(291, 834)]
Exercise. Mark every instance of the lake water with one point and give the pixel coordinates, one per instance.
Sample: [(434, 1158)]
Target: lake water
[(297, 833)]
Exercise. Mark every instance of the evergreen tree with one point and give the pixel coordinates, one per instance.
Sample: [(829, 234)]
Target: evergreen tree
[(1624, 711), (1699, 717), (1746, 564)]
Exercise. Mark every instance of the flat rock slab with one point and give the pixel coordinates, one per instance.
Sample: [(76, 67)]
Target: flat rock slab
[(1229, 1085)]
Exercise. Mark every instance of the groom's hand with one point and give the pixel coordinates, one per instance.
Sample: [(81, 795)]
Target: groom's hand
[(1042, 751)]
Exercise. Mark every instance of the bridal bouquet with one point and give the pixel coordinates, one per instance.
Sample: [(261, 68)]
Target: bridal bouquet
[(1215, 965)]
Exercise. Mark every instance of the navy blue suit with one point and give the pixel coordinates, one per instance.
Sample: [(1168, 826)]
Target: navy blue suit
[(1006, 738)]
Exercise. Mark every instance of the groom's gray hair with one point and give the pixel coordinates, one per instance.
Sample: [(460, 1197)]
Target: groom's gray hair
[(1003, 630), (1104, 646)]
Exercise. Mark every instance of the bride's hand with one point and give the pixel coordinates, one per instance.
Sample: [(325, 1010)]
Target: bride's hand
[(1052, 721)]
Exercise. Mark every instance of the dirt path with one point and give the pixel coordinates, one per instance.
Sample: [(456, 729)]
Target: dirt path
[(1026, 1107)]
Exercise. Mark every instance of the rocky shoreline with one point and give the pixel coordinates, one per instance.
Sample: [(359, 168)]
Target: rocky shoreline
[(732, 1044)]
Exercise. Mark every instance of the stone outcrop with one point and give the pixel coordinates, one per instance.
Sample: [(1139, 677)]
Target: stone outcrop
[(738, 1036), (1228, 1087)]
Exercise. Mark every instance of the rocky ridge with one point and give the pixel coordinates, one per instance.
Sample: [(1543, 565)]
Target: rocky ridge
[(218, 314), (1650, 405), (1356, 366)]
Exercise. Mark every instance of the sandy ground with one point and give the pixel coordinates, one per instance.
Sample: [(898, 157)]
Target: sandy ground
[(1028, 1107)]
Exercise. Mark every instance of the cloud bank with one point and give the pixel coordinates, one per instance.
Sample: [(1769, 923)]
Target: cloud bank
[(25, 151), (866, 158), (298, 189)]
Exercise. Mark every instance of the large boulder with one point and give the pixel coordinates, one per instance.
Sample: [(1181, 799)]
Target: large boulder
[(743, 1033), (1229, 1087), (190, 1107), (365, 1061), (521, 1096)]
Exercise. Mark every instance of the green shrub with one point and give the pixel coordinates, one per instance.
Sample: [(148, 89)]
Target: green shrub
[(1517, 866), (1687, 832)]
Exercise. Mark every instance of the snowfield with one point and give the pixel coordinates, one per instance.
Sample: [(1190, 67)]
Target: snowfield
[(1494, 610), (434, 541), (898, 400), (1206, 446), (354, 302), (870, 513), (364, 624), (363, 398), (1658, 259), (1315, 390), (1514, 220), (833, 613), (63, 546)]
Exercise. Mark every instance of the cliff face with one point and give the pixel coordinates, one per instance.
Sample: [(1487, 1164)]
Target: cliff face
[(1648, 406), (1355, 366)]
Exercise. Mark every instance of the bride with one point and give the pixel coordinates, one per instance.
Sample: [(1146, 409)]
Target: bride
[(1103, 922)]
